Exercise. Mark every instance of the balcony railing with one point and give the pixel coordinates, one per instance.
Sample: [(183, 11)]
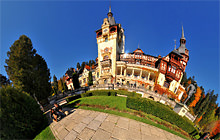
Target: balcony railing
[(106, 63)]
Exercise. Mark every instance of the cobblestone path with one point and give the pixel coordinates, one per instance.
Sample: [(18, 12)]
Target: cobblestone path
[(86, 125)]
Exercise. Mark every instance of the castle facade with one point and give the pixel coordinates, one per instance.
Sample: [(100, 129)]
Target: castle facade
[(137, 69)]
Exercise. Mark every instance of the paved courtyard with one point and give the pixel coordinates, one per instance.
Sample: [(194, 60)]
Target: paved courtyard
[(85, 125)]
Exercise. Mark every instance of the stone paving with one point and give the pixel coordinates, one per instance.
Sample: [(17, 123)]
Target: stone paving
[(85, 125)]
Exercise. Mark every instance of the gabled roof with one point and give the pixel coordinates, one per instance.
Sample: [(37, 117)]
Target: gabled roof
[(177, 53), (138, 50), (87, 67)]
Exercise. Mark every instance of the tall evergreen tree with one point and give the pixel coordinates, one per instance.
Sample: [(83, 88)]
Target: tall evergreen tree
[(198, 105), (41, 78), (20, 64), (90, 82), (60, 85), (83, 65), (78, 65), (4, 80), (27, 70), (90, 63), (184, 79), (76, 80), (55, 83), (204, 106)]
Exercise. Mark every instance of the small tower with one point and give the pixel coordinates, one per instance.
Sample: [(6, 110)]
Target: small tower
[(183, 50), (110, 40)]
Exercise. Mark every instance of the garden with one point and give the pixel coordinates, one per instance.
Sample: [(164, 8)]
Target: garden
[(134, 107)]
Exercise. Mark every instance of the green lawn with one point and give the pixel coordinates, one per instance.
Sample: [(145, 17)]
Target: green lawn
[(46, 134), (118, 107)]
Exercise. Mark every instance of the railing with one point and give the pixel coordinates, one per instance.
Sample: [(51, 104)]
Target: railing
[(190, 116), (106, 63)]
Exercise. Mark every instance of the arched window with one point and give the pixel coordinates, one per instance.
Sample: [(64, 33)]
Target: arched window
[(112, 29), (106, 57), (106, 39), (99, 34)]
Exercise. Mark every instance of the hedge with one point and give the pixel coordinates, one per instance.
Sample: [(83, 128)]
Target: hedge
[(161, 111), (20, 115), (99, 93), (127, 93), (74, 97)]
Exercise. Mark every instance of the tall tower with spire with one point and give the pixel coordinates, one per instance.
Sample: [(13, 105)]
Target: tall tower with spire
[(183, 50), (110, 39)]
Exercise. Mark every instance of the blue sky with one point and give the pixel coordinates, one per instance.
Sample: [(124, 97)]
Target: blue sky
[(63, 32)]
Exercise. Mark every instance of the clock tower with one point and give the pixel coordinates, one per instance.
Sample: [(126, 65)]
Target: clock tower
[(111, 41)]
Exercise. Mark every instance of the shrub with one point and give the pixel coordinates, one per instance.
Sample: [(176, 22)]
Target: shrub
[(99, 93), (20, 115), (127, 93), (161, 111), (74, 97)]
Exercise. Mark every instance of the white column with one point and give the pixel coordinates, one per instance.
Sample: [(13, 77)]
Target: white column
[(148, 76), (121, 70), (140, 74), (132, 73), (125, 72)]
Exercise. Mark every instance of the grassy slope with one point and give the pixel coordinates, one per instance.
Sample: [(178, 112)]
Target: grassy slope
[(46, 134), (120, 104)]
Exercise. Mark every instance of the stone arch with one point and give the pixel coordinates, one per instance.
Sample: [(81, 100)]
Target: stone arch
[(151, 97)]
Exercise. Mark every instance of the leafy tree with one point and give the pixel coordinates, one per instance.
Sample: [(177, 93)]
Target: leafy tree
[(197, 97), (27, 70), (20, 115), (90, 82), (3, 80), (55, 83)]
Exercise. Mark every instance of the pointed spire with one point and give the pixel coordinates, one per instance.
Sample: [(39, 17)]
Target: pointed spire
[(182, 33), (175, 44), (138, 46), (110, 9)]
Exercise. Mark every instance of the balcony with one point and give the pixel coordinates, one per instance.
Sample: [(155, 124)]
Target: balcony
[(106, 63)]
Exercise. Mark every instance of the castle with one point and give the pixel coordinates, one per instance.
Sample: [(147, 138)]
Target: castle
[(137, 69)]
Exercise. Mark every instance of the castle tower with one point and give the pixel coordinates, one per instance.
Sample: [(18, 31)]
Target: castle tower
[(110, 40), (183, 50)]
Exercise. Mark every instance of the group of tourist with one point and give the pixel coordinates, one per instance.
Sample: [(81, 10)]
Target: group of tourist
[(56, 113)]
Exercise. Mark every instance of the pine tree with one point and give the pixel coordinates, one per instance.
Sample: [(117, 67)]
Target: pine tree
[(90, 63), (55, 83), (184, 79), (65, 88), (78, 65), (4, 81), (27, 70), (75, 80), (204, 106), (60, 85), (90, 82), (20, 64), (41, 78)]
